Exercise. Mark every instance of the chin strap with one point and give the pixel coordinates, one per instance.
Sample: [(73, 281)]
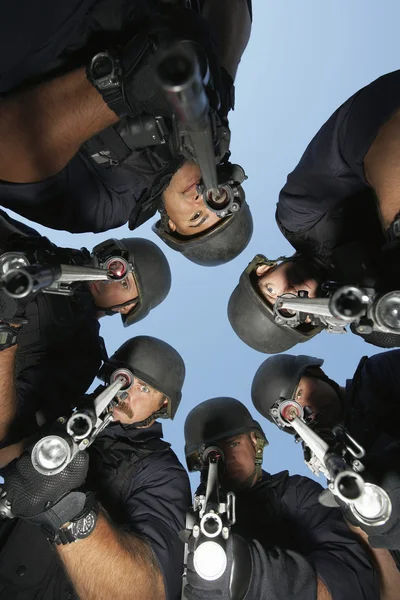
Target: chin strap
[(110, 311), (257, 471), (259, 457)]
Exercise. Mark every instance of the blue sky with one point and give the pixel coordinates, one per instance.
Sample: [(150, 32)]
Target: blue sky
[(305, 57)]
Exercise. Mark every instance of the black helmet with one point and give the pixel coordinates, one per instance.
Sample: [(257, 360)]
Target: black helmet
[(156, 363), (252, 319), (150, 269), (225, 240), (277, 379), (217, 419)]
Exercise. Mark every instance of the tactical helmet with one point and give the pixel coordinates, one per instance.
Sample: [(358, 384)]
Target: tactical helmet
[(150, 269), (226, 239), (277, 379), (154, 362), (217, 419), (252, 319)]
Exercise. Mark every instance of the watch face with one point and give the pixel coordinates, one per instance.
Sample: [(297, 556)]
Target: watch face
[(85, 526), (4, 338), (102, 66), (7, 336)]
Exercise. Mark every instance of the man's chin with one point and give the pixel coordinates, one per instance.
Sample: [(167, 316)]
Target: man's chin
[(235, 483)]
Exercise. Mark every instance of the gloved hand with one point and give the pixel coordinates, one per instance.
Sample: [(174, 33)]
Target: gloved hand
[(141, 90), (12, 310), (233, 583), (45, 500)]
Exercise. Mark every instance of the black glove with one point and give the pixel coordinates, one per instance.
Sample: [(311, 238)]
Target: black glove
[(234, 582), (12, 310), (141, 90), (45, 500)]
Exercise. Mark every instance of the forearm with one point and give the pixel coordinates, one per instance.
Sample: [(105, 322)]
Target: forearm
[(8, 398), (112, 564), (389, 575), (322, 591), (231, 22), (43, 127), (382, 169)]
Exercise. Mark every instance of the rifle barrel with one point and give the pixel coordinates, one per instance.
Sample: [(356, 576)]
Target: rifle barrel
[(181, 80), (19, 283)]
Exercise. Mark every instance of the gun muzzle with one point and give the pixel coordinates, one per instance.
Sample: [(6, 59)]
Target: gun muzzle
[(19, 283), (81, 423), (349, 303), (347, 484), (179, 74)]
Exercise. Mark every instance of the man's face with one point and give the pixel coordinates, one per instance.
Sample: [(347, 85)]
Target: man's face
[(109, 293), (186, 210), (321, 398), (140, 401), (287, 278), (240, 453)]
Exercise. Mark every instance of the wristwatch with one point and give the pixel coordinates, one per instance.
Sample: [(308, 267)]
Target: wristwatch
[(77, 530), (105, 73), (8, 335)]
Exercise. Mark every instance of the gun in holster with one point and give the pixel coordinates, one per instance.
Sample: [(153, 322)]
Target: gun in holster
[(339, 459), (210, 519)]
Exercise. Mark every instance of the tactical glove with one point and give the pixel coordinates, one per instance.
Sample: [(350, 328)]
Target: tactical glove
[(233, 583), (141, 90), (45, 500)]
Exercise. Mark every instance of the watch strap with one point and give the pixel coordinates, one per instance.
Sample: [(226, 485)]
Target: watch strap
[(109, 86)]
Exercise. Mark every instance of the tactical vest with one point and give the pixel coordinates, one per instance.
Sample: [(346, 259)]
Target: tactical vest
[(29, 567)]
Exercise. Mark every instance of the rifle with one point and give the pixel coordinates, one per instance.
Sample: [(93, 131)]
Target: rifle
[(209, 521), (339, 461), (368, 309), (19, 278), (199, 132)]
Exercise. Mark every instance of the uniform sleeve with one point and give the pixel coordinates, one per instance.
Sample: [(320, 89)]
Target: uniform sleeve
[(378, 390), (321, 180), (156, 509), (321, 546), (338, 558), (83, 197), (331, 170)]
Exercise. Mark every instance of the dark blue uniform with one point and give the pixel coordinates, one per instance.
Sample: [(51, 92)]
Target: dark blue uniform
[(294, 540), (59, 350), (327, 200), (149, 500), (371, 402)]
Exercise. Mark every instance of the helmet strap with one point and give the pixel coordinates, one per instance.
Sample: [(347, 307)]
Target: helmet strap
[(259, 457), (110, 311)]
